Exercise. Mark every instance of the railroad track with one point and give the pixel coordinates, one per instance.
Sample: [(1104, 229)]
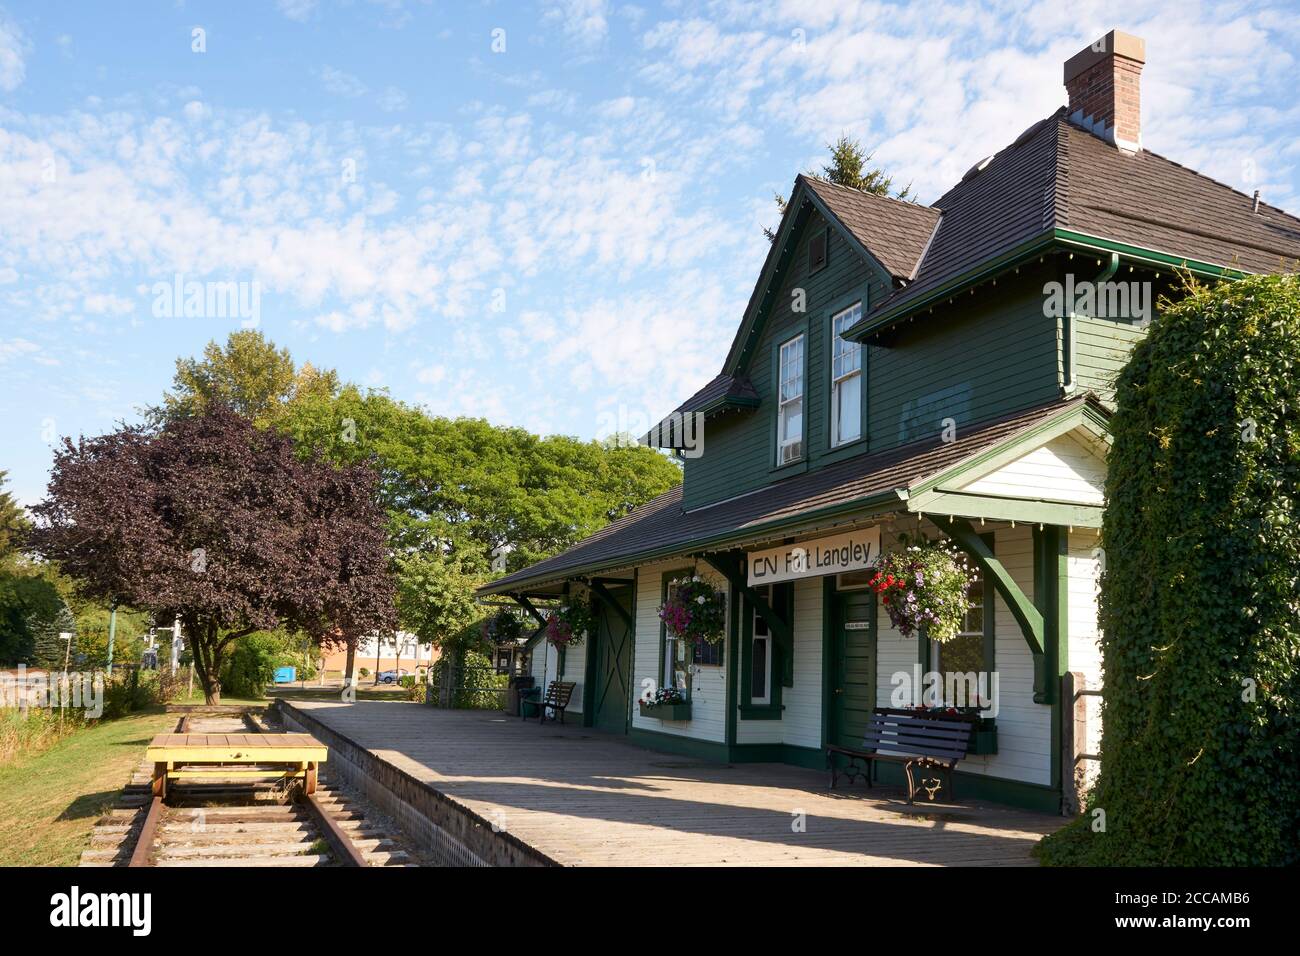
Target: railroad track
[(235, 823)]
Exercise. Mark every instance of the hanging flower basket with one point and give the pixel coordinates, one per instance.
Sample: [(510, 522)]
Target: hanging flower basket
[(503, 628), (925, 588), (567, 626), (695, 611)]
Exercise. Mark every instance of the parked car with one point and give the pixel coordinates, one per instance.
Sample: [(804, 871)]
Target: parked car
[(392, 677)]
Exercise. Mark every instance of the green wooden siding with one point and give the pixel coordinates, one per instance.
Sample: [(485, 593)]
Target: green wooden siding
[(973, 361), (739, 453), (1104, 346), (977, 362)]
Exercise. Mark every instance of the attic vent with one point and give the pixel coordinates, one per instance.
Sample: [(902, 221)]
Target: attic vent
[(817, 251), (977, 168)]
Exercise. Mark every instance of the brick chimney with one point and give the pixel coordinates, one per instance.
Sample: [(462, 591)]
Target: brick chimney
[(1104, 83)]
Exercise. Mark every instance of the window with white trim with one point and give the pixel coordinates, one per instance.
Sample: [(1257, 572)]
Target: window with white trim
[(789, 426), (846, 379)]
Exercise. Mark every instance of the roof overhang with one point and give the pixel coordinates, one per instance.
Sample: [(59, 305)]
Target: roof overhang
[(1051, 240), (871, 506), (936, 494)]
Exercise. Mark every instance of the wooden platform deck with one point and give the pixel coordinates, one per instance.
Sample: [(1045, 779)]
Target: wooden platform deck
[(584, 798)]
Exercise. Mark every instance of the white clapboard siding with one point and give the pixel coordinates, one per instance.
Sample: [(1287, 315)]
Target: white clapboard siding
[(1064, 469), (545, 662), (708, 684), (1085, 629), (802, 719)]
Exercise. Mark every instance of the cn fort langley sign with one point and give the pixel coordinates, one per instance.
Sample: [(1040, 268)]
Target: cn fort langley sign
[(853, 551)]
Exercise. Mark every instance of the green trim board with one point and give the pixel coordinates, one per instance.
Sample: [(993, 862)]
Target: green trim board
[(999, 508), (979, 786), (1052, 590), (969, 786), (828, 652), (778, 260)]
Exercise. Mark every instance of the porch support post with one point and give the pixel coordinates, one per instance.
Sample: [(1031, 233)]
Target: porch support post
[(731, 565), (1032, 622), (602, 593)]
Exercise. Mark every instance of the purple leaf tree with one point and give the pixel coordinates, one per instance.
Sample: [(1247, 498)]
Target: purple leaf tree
[(215, 521)]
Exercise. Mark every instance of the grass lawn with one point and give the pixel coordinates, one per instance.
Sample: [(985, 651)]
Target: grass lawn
[(50, 802)]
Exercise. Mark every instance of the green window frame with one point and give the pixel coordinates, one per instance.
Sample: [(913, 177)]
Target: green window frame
[(782, 601), (702, 656)]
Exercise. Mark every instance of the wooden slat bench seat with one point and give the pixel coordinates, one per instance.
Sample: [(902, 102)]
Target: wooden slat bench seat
[(556, 699), (285, 756), (919, 741)]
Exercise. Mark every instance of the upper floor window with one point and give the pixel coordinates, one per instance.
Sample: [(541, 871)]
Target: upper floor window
[(789, 428), (846, 379)]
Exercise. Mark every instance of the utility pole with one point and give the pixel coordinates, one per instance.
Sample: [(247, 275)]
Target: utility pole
[(112, 633)]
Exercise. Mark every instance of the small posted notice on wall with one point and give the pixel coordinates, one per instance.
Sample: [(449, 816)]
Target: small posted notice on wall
[(851, 551)]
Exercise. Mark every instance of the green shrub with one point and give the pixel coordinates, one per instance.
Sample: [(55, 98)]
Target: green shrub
[(252, 664), (1200, 595), (475, 683)]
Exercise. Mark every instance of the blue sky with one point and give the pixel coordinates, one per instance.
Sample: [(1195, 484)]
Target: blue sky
[(547, 214)]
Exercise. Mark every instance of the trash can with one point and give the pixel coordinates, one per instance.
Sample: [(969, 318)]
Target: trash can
[(515, 689), (530, 702), (286, 675)]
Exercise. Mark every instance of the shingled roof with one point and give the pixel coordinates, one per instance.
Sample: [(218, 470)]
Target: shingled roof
[(1059, 176), (662, 527), (895, 231)]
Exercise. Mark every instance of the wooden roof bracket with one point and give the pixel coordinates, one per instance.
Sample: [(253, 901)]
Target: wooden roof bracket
[(603, 595), (1032, 623)]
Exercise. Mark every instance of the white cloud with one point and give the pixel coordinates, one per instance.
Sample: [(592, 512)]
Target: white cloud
[(392, 100), (16, 348), (14, 49), (299, 10), (340, 82), (585, 22)]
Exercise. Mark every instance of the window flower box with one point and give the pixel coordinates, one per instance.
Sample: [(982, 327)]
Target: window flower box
[(677, 710), (984, 737)]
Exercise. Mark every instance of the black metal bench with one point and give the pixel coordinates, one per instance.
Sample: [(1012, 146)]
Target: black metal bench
[(920, 741), (556, 699)]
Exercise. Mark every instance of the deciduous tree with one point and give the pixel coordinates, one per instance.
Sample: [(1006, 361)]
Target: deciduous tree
[(218, 522)]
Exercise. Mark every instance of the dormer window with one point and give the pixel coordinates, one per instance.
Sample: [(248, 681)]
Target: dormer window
[(789, 426), (846, 379), (817, 251)]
